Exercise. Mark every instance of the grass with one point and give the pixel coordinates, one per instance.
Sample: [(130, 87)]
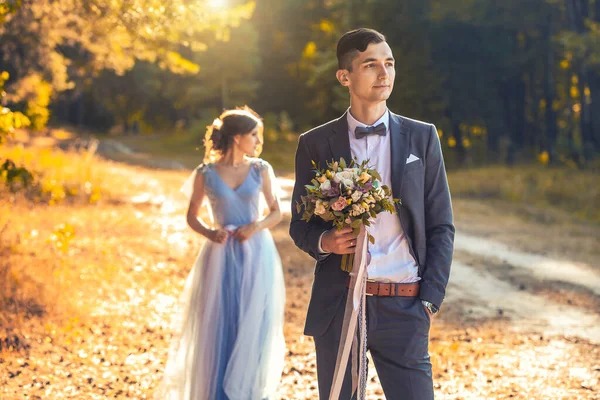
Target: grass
[(57, 175), (38, 263), (572, 191), (187, 149), (181, 147)]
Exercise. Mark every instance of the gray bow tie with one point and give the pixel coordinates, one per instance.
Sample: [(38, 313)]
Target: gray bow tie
[(362, 131)]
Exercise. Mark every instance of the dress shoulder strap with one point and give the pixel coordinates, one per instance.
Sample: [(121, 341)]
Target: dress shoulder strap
[(260, 164), (203, 168)]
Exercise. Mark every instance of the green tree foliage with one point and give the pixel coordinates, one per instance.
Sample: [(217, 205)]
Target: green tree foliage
[(9, 120), (68, 43), (160, 99), (509, 81)]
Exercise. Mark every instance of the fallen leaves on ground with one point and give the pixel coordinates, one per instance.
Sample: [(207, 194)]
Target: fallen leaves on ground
[(107, 332)]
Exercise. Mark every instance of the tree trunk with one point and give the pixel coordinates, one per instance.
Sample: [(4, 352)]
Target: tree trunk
[(532, 121), (532, 140), (461, 153), (350, 15), (518, 134), (80, 109), (586, 115), (494, 131), (549, 97), (595, 93), (512, 100), (571, 124), (595, 107), (224, 91), (578, 11)]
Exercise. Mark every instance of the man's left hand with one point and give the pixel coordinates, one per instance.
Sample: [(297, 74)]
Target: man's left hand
[(429, 307), (429, 312)]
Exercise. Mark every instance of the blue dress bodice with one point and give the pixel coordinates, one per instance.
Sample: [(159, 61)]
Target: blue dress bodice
[(239, 206)]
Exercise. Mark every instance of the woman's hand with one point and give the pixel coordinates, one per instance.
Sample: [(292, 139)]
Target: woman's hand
[(245, 232), (217, 235)]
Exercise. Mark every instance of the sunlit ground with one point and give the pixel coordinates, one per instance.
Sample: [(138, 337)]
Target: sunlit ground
[(92, 315)]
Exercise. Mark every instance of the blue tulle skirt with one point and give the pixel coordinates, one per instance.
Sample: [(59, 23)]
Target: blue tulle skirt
[(229, 331)]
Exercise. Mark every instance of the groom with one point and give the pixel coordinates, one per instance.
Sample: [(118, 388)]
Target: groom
[(410, 260)]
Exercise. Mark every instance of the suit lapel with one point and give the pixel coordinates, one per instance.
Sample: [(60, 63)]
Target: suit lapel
[(339, 142), (399, 143)]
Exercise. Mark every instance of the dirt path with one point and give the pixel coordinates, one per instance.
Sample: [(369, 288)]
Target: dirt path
[(496, 279), (541, 267), (516, 323), (526, 288)]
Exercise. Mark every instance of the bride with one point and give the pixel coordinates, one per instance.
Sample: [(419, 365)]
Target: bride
[(230, 342)]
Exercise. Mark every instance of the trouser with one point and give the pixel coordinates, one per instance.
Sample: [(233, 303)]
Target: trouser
[(397, 339)]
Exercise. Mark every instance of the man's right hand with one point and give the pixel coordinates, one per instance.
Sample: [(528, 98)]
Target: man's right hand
[(341, 241)]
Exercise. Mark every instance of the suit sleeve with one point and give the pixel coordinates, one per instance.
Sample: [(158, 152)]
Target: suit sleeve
[(439, 227), (306, 235)]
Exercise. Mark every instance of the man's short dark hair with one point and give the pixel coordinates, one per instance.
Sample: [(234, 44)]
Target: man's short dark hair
[(353, 42)]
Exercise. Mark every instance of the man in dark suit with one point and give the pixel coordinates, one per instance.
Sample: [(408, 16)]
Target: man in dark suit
[(410, 260)]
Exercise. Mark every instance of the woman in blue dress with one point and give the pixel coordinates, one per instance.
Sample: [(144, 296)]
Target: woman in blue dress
[(230, 342)]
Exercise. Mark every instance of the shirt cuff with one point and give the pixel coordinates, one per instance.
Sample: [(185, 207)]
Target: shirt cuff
[(321, 251)]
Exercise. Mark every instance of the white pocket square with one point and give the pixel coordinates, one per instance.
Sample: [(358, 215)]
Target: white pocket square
[(412, 158)]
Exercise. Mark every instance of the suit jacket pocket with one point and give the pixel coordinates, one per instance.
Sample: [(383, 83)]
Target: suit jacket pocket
[(413, 166)]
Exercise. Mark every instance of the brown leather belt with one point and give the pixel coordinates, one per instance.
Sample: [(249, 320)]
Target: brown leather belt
[(391, 289)]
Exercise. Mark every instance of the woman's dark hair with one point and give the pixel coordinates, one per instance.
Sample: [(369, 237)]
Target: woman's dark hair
[(219, 136), (353, 42)]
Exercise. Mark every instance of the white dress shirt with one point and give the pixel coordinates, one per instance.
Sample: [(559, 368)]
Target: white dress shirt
[(391, 260)]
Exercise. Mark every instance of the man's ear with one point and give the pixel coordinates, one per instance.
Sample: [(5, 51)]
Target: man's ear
[(342, 77)]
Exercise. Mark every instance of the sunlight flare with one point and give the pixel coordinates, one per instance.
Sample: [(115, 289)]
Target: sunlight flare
[(217, 4)]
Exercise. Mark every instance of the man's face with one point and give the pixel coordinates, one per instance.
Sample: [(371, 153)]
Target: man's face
[(373, 73)]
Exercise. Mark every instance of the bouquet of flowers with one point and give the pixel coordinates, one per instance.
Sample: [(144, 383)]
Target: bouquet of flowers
[(347, 194)]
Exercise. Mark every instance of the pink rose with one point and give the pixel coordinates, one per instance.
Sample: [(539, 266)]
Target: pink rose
[(339, 204)]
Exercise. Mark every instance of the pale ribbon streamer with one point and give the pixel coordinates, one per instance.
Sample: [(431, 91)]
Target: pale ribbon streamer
[(355, 308)]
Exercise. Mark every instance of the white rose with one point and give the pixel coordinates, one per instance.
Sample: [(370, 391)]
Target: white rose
[(325, 186), (356, 196), (348, 183), (320, 208), (345, 174)]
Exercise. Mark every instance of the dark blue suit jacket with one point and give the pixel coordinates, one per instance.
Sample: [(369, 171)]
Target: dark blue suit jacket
[(425, 213)]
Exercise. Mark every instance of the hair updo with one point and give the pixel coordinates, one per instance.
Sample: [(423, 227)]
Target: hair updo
[(219, 136)]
